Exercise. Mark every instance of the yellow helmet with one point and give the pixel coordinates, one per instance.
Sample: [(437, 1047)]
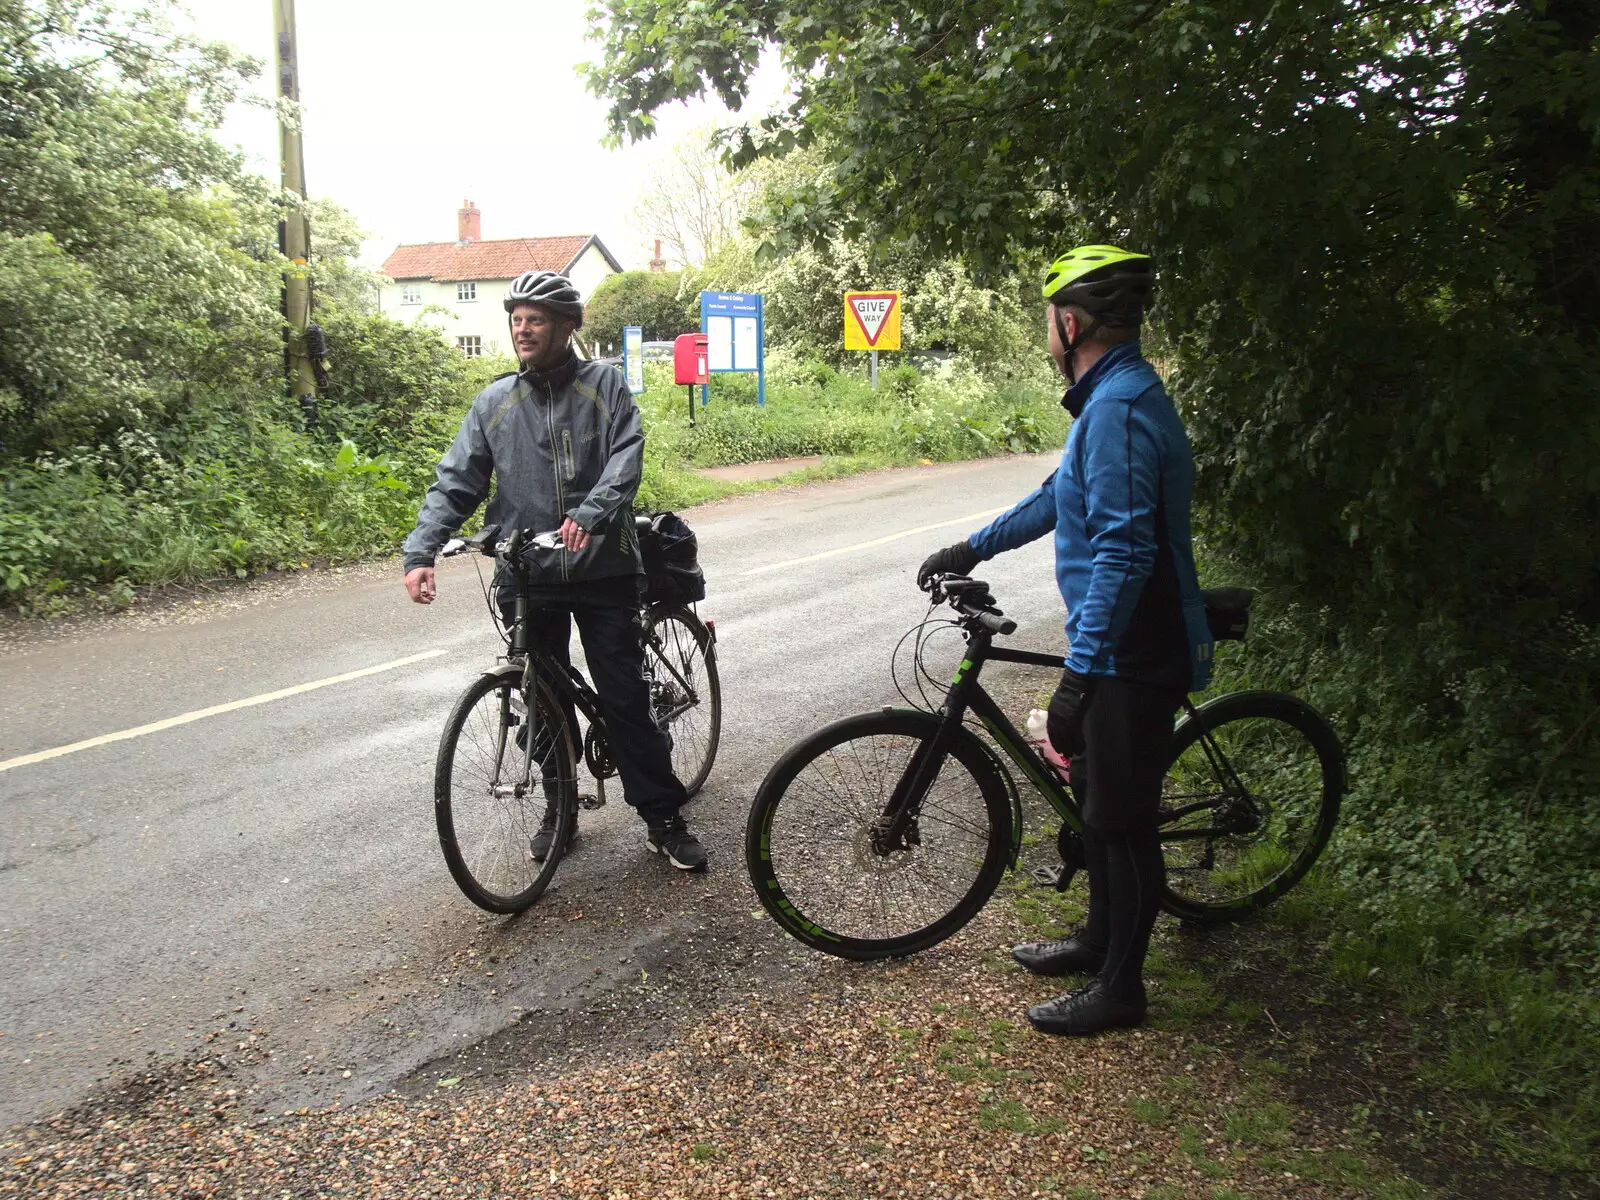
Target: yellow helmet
[(1108, 281)]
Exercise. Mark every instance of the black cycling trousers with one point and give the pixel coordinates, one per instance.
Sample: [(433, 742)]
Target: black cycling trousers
[(1127, 735), (608, 625)]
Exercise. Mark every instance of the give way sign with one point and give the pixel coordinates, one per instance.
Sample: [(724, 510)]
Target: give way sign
[(872, 320)]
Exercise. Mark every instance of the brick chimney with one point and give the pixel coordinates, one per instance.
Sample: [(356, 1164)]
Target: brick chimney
[(658, 263), (469, 224)]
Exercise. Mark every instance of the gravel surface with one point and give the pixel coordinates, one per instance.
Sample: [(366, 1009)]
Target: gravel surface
[(917, 1078)]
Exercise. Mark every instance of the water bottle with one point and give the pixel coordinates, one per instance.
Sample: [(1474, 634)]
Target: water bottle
[(1038, 726)]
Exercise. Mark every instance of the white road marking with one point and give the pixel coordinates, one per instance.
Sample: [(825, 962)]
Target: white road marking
[(215, 710), (893, 537)]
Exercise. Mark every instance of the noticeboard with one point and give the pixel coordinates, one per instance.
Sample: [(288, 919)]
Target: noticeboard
[(735, 327), (633, 357)]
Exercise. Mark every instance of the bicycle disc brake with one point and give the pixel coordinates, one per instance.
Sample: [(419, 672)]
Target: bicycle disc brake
[(883, 845)]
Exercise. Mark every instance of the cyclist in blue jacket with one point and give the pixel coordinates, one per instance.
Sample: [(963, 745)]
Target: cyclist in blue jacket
[(1118, 504)]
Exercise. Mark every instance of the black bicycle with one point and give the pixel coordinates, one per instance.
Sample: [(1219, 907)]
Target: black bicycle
[(507, 748), (884, 833)]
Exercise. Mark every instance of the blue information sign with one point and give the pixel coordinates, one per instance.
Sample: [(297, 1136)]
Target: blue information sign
[(735, 327), (633, 357)]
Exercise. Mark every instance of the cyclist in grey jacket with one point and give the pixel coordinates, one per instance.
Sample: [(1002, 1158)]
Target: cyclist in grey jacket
[(563, 441)]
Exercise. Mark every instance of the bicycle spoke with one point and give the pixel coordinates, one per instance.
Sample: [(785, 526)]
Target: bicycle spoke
[(822, 841), (1258, 804), (684, 695), (504, 761)]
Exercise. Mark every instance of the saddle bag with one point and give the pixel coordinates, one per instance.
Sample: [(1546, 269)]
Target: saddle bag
[(1227, 612), (671, 556)]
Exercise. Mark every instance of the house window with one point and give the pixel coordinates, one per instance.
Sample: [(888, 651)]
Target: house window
[(467, 291), (470, 346), (411, 293)]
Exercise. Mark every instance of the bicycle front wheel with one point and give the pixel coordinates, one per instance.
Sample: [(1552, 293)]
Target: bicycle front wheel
[(685, 691), (819, 864), (1249, 803), (499, 766)]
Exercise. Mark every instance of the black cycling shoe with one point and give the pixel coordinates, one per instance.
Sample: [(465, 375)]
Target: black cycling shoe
[(1064, 957), (546, 837), (681, 848), (1088, 1010)]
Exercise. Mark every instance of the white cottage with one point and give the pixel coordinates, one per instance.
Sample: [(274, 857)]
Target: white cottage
[(467, 279)]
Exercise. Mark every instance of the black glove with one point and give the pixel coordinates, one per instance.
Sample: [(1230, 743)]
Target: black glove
[(958, 559), (1064, 725)]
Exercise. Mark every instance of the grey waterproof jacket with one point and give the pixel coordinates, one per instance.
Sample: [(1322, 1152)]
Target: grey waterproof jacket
[(567, 442)]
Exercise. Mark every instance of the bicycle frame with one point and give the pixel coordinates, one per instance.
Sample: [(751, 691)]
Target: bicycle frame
[(967, 695), (567, 681)]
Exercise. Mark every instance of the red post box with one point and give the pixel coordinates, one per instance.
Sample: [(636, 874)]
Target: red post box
[(689, 355)]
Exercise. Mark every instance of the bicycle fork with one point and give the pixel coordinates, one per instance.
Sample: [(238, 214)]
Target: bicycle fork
[(896, 828)]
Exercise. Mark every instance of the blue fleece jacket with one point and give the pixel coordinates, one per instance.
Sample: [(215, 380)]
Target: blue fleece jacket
[(1119, 505)]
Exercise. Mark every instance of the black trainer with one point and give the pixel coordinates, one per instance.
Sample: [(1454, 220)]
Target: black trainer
[(1087, 1010), (681, 848), (1063, 957), (542, 841)]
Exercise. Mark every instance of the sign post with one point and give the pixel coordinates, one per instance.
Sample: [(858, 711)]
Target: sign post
[(872, 322), (633, 357), (734, 324)]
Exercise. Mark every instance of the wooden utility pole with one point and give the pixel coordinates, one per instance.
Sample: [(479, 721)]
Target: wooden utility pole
[(294, 230)]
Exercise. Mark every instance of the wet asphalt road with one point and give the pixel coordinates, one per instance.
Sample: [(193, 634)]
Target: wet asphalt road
[(274, 868)]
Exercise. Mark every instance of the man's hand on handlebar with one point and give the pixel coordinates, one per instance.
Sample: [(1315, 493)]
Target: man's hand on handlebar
[(573, 535), (420, 584), (958, 559)]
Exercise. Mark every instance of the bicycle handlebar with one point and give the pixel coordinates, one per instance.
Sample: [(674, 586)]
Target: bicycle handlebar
[(973, 600), (487, 542)]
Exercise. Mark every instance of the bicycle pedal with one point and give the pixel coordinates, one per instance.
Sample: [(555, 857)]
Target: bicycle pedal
[(589, 801), (1059, 878)]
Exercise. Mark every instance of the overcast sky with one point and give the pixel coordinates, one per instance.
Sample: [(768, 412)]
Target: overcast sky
[(413, 106)]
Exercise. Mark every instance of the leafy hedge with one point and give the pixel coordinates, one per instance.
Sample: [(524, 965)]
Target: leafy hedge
[(234, 488)]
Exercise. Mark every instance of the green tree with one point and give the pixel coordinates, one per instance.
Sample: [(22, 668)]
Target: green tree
[(653, 300), (133, 251), (692, 201), (1377, 230), (1376, 225), (338, 279)]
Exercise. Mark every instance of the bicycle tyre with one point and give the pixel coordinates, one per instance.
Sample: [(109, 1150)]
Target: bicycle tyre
[(776, 867), (485, 838), (697, 732), (1270, 740)]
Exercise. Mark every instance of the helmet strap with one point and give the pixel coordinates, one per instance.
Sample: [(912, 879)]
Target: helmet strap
[(1070, 346)]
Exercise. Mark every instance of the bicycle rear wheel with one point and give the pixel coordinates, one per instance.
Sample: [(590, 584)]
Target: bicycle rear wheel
[(1249, 803), (685, 690), (809, 841), (498, 766)]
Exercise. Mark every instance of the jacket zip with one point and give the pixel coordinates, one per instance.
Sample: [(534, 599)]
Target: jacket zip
[(555, 453)]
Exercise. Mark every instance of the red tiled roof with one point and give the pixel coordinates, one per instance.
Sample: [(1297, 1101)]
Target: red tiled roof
[(502, 258)]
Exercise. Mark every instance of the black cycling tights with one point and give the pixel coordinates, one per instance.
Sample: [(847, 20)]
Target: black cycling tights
[(1128, 746), (1126, 877)]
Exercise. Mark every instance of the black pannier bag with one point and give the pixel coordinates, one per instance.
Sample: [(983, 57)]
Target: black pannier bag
[(1228, 612), (671, 561)]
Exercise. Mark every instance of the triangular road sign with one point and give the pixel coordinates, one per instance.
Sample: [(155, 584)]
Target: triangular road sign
[(874, 314)]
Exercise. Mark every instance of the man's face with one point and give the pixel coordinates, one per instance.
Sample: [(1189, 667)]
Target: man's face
[(537, 333), (1058, 351)]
